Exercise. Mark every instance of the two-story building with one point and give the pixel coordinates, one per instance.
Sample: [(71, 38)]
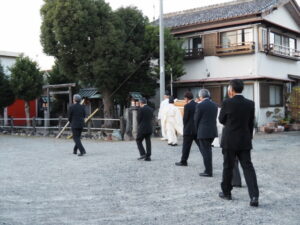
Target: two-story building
[(256, 41)]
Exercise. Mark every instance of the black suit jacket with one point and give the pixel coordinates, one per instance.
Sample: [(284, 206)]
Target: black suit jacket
[(237, 116), (206, 119), (76, 115), (144, 119), (189, 128)]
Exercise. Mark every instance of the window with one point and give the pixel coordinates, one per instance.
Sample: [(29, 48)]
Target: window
[(271, 95), (248, 92), (237, 37), (275, 95), (283, 44)]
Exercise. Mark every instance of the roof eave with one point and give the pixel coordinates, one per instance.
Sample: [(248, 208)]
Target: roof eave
[(251, 18)]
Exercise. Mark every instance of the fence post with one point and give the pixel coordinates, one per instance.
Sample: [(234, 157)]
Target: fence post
[(89, 128), (34, 125), (134, 122), (11, 120), (122, 127), (59, 123)]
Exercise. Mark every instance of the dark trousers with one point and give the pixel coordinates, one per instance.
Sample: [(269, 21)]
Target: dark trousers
[(186, 146), (250, 176), (76, 137), (205, 149), (236, 176), (139, 142)]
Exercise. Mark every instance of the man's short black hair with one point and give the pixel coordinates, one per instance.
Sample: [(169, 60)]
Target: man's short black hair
[(189, 95), (143, 100), (237, 85)]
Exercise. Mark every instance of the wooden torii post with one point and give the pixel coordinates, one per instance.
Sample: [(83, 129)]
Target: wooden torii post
[(56, 86)]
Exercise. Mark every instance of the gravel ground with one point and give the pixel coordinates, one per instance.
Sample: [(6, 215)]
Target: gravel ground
[(42, 182)]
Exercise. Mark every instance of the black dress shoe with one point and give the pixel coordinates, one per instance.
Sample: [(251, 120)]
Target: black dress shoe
[(147, 159), (224, 196), (81, 154), (205, 174), (254, 202), (75, 153), (142, 157), (174, 145), (181, 164)]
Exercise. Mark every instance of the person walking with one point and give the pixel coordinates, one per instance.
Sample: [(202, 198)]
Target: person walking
[(144, 120), (76, 118), (161, 115), (173, 122), (237, 116), (189, 128), (206, 125)]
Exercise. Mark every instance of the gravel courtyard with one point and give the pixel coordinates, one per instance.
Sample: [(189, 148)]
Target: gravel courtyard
[(42, 182)]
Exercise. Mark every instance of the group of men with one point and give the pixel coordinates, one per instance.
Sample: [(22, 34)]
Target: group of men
[(199, 126)]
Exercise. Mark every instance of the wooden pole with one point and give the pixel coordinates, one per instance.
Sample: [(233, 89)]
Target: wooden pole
[(67, 124), (87, 120)]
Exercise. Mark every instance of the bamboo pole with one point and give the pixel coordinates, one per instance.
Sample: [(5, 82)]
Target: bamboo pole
[(60, 133), (87, 119)]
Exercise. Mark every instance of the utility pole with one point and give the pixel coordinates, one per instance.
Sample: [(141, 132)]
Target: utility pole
[(161, 53), (171, 82)]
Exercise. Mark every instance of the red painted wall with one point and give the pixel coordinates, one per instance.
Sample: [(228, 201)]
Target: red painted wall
[(17, 110)]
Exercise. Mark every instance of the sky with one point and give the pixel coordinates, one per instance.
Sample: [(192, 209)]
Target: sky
[(20, 22)]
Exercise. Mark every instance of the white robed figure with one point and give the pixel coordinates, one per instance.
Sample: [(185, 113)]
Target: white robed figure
[(162, 117), (173, 122)]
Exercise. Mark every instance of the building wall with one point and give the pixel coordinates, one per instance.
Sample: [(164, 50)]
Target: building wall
[(17, 110), (283, 17), (214, 67), (6, 63), (277, 67)]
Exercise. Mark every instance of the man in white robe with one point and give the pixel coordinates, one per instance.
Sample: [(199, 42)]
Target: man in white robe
[(173, 122), (161, 115)]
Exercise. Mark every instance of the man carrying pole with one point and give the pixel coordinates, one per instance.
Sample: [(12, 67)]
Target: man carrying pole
[(76, 118)]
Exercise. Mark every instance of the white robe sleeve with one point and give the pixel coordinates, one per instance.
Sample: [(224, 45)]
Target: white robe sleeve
[(179, 122)]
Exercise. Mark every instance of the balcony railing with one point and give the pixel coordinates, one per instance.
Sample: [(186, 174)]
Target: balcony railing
[(235, 49), (194, 53), (282, 51)]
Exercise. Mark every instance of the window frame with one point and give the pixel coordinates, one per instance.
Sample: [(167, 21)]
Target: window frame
[(265, 99)]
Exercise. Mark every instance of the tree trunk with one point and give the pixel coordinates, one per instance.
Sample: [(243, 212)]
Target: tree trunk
[(27, 113), (108, 108)]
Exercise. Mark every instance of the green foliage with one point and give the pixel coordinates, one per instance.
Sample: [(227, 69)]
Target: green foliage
[(7, 96), (174, 53), (26, 79), (101, 48), (56, 76)]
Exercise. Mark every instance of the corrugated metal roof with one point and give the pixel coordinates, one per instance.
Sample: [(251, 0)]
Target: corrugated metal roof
[(219, 12), (89, 93)]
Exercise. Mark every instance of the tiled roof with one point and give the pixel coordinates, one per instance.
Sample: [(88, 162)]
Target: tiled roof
[(219, 12), (221, 79), (89, 93)]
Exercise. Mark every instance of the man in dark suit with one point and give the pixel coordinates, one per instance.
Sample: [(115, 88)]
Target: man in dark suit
[(76, 118), (144, 119), (237, 116), (206, 126), (189, 128)]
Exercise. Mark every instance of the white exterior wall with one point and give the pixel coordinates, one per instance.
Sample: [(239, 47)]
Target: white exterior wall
[(240, 65), (6, 63), (277, 67), (283, 17)]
